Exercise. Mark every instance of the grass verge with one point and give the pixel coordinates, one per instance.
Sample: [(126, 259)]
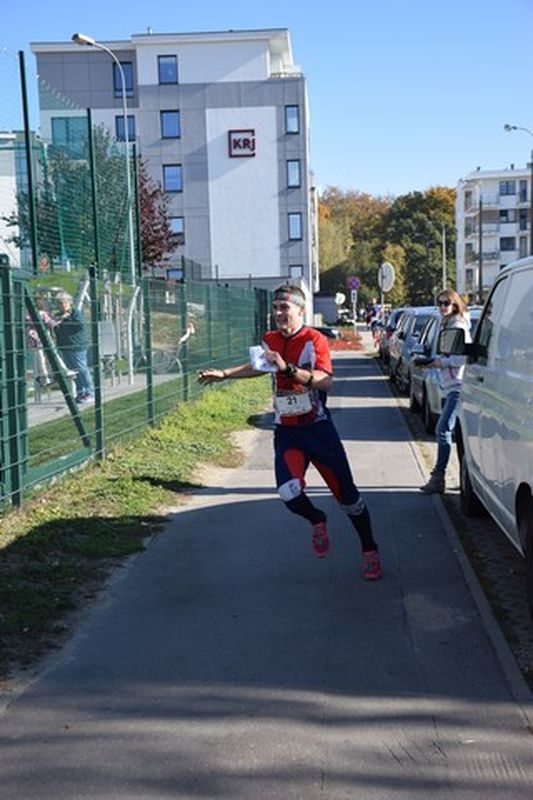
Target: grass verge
[(56, 551)]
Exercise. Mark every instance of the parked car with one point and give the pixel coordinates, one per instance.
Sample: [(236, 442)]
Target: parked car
[(401, 343), (425, 394), (494, 432), (328, 331), (384, 334)]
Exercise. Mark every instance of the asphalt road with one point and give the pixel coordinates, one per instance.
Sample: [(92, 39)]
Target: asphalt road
[(225, 662)]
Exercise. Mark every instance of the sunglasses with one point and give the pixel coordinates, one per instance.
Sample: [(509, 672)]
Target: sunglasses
[(444, 302)]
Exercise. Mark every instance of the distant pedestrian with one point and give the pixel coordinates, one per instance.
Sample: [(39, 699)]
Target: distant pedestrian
[(299, 359), (73, 342), (454, 314)]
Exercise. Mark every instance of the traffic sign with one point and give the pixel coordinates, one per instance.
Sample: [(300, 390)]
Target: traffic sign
[(386, 277), (354, 283)]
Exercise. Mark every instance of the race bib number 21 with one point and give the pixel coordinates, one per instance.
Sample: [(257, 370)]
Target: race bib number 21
[(291, 405)]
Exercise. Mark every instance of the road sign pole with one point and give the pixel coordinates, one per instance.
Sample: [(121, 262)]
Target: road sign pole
[(354, 308)]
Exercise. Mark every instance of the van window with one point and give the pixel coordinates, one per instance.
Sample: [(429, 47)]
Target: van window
[(485, 328), (514, 343)]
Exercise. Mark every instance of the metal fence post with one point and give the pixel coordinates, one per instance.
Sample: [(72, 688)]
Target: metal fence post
[(184, 355), (94, 270), (13, 433), (32, 211), (209, 314), (147, 321)]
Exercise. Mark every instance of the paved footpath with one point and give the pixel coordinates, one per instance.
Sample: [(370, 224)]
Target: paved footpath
[(226, 663)]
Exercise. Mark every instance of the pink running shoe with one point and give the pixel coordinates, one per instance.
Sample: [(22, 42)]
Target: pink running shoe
[(320, 540), (371, 565)]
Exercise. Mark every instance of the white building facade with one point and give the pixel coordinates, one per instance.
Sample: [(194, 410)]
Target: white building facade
[(493, 218), (221, 120)]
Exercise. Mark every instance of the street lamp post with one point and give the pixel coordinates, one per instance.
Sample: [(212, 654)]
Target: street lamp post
[(83, 39), (527, 130), (444, 270), (480, 258)]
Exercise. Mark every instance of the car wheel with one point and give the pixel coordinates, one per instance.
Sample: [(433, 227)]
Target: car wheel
[(414, 405), (525, 525), (429, 419), (471, 505)]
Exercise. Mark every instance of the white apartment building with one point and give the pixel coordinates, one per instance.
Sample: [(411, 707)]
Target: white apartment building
[(222, 121), (493, 214)]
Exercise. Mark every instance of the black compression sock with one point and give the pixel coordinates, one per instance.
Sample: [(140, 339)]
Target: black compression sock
[(363, 526), (302, 506)]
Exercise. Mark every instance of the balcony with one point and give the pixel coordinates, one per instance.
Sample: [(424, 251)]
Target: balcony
[(490, 255)]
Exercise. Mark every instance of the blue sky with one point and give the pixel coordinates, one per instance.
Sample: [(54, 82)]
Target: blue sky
[(403, 94)]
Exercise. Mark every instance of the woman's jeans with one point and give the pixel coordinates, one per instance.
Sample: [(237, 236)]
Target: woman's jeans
[(76, 360), (444, 429)]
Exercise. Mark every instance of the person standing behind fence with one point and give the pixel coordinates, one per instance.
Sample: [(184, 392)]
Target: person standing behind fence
[(34, 343), (73, 342)]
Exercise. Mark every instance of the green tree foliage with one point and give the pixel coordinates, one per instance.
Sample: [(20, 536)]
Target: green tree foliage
[(417, 222), (407, 231), (355, 221)]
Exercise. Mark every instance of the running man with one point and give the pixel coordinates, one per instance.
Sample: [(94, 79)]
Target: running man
[(304, 433)]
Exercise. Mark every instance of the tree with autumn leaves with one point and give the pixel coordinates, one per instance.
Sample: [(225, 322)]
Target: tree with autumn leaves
[(157, 237), (358, 231)]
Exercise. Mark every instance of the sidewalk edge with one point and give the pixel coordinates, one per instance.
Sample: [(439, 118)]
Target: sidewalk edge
[(517, 683)]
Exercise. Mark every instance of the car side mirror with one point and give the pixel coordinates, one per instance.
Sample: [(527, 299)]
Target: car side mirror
[(452, 342)]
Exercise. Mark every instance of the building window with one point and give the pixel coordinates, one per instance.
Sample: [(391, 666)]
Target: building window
[(296, 270), (167, 69), (507, 187), (523, 191), (292, 119), (295, 226), (293, 173), (508, 215), (170, 125), (177, 226), (522, 246), (523, 217), (127, 69), (70, 134), (119, 128), (507, 243), (172, 178)]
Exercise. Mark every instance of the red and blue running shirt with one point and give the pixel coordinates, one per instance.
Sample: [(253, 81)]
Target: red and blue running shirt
[(307, 349)]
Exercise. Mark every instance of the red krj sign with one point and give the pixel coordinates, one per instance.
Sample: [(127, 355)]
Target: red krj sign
[(241, 143)]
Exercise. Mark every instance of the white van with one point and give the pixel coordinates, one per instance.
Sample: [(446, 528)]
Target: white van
[(494, 431)]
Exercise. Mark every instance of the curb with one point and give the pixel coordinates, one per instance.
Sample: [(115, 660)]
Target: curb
[(518, 685)]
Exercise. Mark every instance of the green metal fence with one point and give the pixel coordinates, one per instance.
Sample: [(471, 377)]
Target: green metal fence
[(69, 224), (144, 343)]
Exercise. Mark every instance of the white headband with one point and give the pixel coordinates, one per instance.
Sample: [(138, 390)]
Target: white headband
[(291, 297)]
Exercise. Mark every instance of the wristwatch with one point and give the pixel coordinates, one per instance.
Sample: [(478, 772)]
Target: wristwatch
[(289, 371)]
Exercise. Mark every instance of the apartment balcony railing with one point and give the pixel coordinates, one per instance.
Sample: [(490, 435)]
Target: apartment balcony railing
[(487, 201), (472, 257), (287, 73)]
